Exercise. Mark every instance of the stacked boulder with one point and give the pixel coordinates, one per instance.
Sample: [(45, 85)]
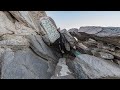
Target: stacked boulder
[(26, 51)]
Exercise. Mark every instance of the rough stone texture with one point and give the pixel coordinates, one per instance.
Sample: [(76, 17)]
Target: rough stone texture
[(90, 30), (40, 48), (37, 15), (23, 30), (109, 35), (68, 37), (49, 29), (23, 17), (106, 55), (23, 64), (17, 59), (9, 16), (90, 67), (27, 18), (62, 71), (101, 31), (13, 40), (6, 26), (24, 55), (73, 30)]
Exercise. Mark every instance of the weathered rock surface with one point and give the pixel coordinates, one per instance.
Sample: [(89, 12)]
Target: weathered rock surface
[(6, 26), (40, 48), (49, 29), (70, 39), (90, 67), (62, 71), (104, 55), (109, 35), (23, 54), (101, 31), (23, 64), (28, 18)]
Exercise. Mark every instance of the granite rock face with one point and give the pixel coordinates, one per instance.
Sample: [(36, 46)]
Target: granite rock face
[(90, 67), (101, 31), (62, 71), (99, 52), (23, 53), (23, 64)]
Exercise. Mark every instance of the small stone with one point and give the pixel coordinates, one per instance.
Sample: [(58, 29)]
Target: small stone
[(106, 55)]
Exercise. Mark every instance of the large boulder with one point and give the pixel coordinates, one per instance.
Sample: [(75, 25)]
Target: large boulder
[(70, 39), (105, 34), (101, 31), (41, 49), (23, 53), (90, 67), (23, 64), (49, 29)]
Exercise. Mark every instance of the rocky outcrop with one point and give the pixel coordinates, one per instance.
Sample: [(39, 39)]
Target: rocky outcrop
[(23, 64), (62, 71), (90, 67), (105, 34), (99, 52), (23, 53), (26, 51)]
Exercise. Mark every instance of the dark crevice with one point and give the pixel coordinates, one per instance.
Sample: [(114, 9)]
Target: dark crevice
[(10, 16)]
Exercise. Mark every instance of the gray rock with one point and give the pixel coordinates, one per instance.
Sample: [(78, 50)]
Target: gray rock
[(23, 64), (106, 55), (83, 49), (110, 35), (37, 15), (21, 29), (102, 54), (90, 29), (6, 26), (90, 43), (109, 31), (90, 67), (68, 37), (101, 31), (49, 29), (115, 54), (62, 71), (40, 48), (26, 18), (106, 47), (73, 30)]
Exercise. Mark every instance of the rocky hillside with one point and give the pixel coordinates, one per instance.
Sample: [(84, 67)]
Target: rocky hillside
[(25, 55), (18, 31)]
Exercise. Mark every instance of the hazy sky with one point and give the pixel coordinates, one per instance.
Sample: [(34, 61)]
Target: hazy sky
[(76, 19)]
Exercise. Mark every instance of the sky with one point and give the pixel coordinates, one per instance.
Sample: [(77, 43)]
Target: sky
[(76, 19)]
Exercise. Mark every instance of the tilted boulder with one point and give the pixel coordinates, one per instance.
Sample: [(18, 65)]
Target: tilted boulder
[(90, 67)]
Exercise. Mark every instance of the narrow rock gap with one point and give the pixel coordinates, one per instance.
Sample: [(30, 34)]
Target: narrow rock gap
[(13, 17), (10, 16), (37, 54)]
